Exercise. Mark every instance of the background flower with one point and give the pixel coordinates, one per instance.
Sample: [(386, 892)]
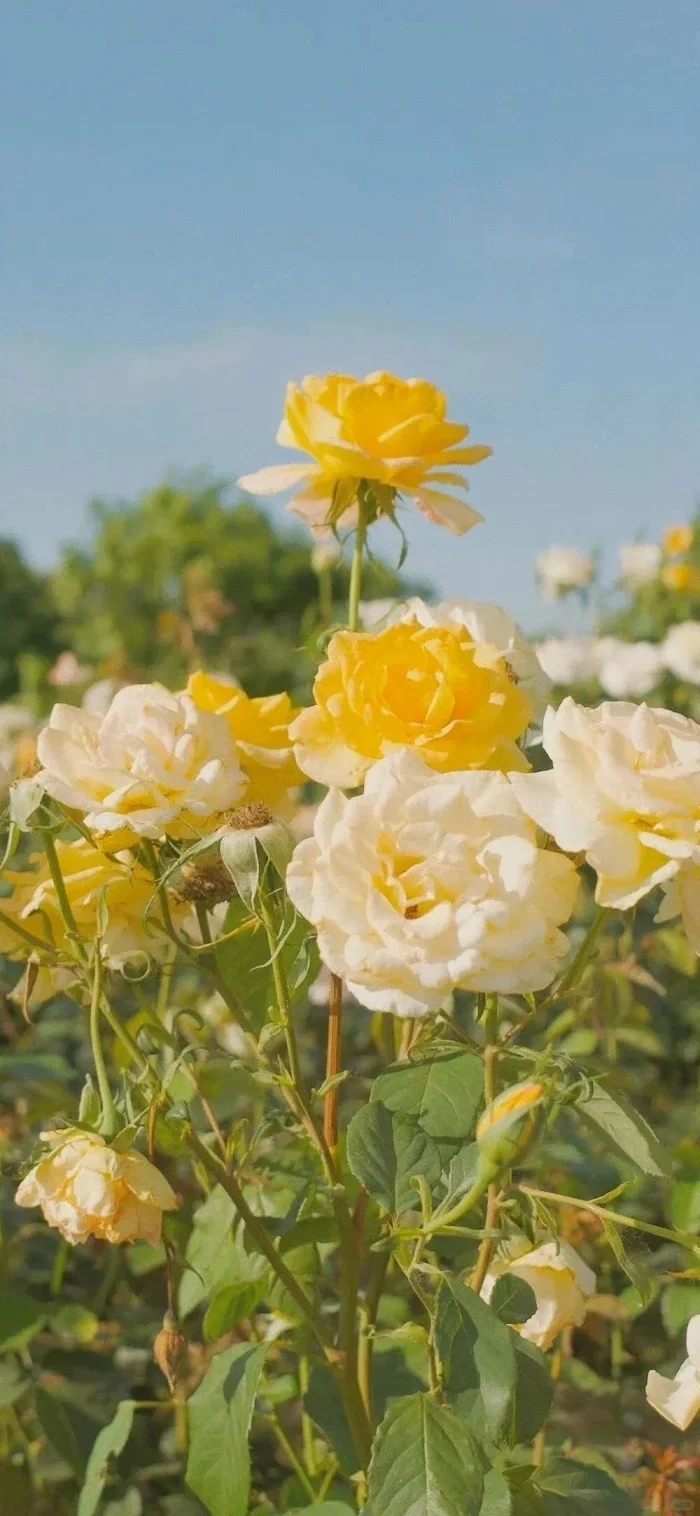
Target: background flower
[(431, 881), (153, 764), (87, 1189), (678, 1399), (569, 660), (392, 431), (639, 563), (628, 669), (681, 651), (561, 569), (624, 788), (414, 684)]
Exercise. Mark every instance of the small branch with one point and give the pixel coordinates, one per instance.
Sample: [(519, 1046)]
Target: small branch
[(682, 1239), (334, 1061)]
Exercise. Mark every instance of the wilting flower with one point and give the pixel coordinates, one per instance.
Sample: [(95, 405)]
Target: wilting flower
[(678, 539), (154, 764), (629, 669), (640, 563), (391, 432), (413, 684), (428, 882), (562, 1283), (569, 660), (99, 887), (624, 788), (678, 1399), (260, 727), (490, 627), (681, 651), (561, 569), (682, 898), (87, 1189)]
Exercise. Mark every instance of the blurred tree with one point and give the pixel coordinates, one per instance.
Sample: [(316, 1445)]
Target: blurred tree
[(182, 578), (28, 630)]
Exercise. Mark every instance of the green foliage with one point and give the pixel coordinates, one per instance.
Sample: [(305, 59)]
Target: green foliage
[(425, 1463), (220, 1412), (182, 578), (385, 1149), (29, 637)]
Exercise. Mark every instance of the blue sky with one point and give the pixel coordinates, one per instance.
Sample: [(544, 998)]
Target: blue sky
[(202, 201)]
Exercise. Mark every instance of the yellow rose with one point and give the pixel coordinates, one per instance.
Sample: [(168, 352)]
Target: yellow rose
[(678, 539), (391, 431), (134, 925), (432, 688), (684, 577), (87, 1189), (260, 727)]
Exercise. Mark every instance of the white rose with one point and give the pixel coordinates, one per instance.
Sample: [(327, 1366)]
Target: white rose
[(678, 1399), (428, 882), (561, 569), (640, 563), (374, 613), (562, 1283), (682, 898), (153, 764), (628, 669), (491, 627), (568, 660), (681, 651), (624, 788)]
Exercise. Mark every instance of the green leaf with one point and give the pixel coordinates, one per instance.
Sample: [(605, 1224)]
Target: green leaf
[(220, 1413), (513, 1300), (69, 1430), (216, 1257), (685, 1203), (232, 1305), (498, 1497), (581, 1489), (624, 1131), (108, 1444), (326, 1508), (384, 1150), (73, 1320), (678, 1303), (424, 1463), (13, 1382), (392, 1378), (443, 1094), (478, 1359), (21, 1317), (245, 961), (534, 1390)]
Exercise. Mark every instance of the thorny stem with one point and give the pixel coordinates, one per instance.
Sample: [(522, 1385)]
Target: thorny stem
[(347, 1382), (58, 884), (287, 1447), (580, 959), (356, 568), (334, 1061), (683, 1239), (379, 1264), (108, 1121), (492, 1205), (35, 942), (281, 988)]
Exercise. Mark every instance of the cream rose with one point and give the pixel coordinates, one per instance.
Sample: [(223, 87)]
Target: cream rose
[(682, 898), (640, 563), (428, 882), (568, 660), (561, 569), (87, 1189), (681, 651), (678, 1399), (154, 764), (628, 669), (562, 1284), (624, 789)]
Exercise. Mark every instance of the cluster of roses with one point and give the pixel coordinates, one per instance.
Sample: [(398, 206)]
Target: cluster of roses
[(452, 866)]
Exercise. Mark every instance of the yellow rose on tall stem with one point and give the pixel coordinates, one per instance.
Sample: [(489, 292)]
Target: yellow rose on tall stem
[(391, 432), (427, 687)]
